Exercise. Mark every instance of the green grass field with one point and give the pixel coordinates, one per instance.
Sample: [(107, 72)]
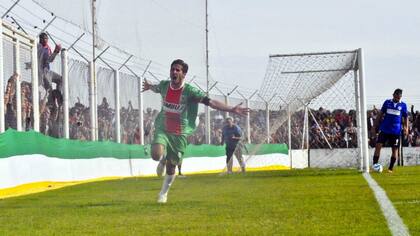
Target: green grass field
[(298, 202), (403, 189)]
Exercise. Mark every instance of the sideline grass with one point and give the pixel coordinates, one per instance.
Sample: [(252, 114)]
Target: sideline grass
[(403, 189), (297, 202)]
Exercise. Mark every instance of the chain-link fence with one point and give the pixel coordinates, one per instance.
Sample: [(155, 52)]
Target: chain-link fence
[(79, 107), (130, 109), (106, 103), (9, 82), (25, 61)]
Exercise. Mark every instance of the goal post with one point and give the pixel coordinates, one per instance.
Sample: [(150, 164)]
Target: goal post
[(320, 98)]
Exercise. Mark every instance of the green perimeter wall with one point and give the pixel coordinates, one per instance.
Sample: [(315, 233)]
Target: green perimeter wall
[(14, 143)]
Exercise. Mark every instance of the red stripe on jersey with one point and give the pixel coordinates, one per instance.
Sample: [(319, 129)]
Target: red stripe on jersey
[(173, 120)]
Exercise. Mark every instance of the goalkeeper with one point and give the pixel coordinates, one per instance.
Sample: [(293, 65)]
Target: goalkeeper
[(389, 118)]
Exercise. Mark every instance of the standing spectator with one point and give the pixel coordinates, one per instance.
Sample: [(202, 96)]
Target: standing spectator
[(231, 135)]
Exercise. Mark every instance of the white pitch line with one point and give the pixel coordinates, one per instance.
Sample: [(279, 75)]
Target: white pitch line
[(395, 223)]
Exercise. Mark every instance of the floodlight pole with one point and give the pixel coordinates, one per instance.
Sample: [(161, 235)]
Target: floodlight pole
[(207, 109)]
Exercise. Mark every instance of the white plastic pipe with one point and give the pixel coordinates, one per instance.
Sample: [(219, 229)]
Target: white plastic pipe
[(141, 117), (117, 106), (35, 83), (92, 103), (65, 78), (18, 88)]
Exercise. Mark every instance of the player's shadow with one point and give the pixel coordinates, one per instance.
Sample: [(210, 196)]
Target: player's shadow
[(100, 204)]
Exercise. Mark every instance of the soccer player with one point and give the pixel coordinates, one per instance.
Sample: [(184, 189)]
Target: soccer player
[(176, 120), (389, 121)]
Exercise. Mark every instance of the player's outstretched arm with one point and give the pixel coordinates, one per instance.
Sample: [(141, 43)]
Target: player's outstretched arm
[(223, 107)]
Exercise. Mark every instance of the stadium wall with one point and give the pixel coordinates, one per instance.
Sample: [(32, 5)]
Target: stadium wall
[(347, 157), (28, 157)]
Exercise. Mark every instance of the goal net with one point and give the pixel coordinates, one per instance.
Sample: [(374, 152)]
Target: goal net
[(316, 108)]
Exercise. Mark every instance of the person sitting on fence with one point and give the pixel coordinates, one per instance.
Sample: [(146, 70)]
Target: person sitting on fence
[(45, 57)]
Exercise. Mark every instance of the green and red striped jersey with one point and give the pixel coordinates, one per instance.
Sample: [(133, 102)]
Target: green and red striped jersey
[(179, 108)]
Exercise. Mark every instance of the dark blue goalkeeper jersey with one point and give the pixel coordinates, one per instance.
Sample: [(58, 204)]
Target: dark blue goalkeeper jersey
[(393, 112)]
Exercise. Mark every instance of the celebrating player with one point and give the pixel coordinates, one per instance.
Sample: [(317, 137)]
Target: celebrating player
[(176, 120)]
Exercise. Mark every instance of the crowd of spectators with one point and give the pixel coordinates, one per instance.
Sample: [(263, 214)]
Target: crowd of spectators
[(327, 129), (335, 129), (79, 119)]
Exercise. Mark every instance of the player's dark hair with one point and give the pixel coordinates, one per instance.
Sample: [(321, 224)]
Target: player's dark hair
[(398, 91), (181, 63)]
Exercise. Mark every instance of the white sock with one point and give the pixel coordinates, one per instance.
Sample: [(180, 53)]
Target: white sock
[(167, 182)]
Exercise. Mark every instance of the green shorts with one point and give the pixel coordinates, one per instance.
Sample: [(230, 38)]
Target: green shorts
[(175, 145)]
